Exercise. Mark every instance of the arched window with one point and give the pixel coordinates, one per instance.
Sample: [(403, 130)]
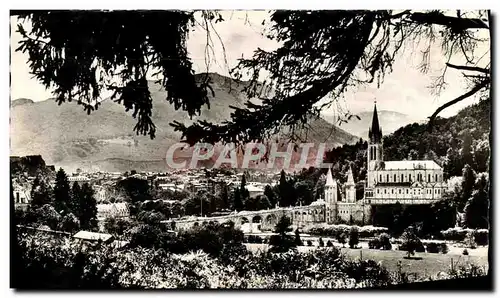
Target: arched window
[(436, 177), (387, 178), (380, 178), (402, 178), (409, 177), (394, 177), (428, 177)]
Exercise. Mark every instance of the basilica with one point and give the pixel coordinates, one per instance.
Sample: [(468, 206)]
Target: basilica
[(387, 182)]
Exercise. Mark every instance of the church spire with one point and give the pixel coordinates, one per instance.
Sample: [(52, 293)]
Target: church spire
[(375, 132), (329, 178), (350, 177)]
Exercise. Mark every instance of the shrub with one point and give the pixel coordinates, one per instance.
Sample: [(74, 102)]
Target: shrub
[(481, 237), (374, 243), (353, 237), (282, 242), (337, 230), (411, 243), (384, 241), (329, 243), (433, 247), (465, 271), (298, 241), (341, 238), (465, 252), (444, 248), (470, 240), (309, 243), (459, 234)]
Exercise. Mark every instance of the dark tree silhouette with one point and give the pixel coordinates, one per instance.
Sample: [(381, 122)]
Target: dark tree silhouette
[(88, 208), (40, 193), (61, 192), (477, 207), (322, 53), (282, 242), (237, 201)]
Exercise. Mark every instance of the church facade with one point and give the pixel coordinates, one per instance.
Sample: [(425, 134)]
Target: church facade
[(409, 182)]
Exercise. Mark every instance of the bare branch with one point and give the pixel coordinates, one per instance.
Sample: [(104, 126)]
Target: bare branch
[(438, 18), (469, 68), (473, 91)]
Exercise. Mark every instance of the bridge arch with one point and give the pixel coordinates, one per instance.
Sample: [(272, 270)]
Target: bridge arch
[(257, 219), (244, 220), (271, 219)]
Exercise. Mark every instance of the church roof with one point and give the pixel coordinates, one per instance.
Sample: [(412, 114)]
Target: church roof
[(375, 132), (409, 165), (329, 178)]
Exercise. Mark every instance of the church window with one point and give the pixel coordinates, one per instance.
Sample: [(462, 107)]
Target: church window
[(392, 191), (385, 191), (394, 177), (402, 178), (380, 178), (407, 191), (387, 178), (429, 178), (409, 177), (436, 177)]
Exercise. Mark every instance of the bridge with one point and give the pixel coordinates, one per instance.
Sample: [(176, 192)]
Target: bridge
[(265, 219)]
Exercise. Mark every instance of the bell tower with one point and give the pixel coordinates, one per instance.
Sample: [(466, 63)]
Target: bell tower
[(350, 189), (375, 148), (331, 193)]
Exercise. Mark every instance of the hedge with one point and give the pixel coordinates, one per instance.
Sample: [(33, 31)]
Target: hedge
[(382, 242), (459, 234), (335, 230)]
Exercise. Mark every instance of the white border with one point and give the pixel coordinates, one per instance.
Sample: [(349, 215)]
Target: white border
[(191, 4)]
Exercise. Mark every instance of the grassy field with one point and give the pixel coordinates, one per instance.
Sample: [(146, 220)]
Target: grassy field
[(430, 264)]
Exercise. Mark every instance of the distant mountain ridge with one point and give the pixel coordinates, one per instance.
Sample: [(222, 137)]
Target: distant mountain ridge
[(104, 140), (20, 102), (390, 121)]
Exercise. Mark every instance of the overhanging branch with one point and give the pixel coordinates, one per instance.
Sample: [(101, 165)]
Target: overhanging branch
[(469, 68), (437, 18), (471, 92)]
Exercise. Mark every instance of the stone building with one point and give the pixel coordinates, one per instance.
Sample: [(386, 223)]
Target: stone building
[(403, 181)]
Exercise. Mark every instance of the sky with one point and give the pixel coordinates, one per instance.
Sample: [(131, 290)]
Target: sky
[(405, 90)]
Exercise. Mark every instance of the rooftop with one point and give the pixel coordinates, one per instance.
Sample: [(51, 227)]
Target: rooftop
[(409, 164), (86, 235)]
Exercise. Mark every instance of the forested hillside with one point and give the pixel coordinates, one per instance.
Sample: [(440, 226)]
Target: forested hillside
[(452, 143)]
